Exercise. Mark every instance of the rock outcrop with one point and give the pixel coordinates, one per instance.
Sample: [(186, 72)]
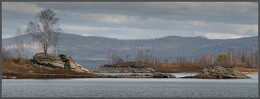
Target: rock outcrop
[(123, 70), (163, 75), (218, 72), (60, 61), (127, 67)]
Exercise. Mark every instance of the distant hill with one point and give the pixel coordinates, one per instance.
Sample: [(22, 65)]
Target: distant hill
[(96, 48)]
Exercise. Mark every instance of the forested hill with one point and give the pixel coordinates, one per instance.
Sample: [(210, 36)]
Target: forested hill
[(92, 47)]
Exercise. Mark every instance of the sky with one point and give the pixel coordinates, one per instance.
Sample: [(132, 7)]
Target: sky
[(140, 20)]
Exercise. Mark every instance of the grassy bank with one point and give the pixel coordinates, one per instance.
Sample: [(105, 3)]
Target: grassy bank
[(188, 67), (24, 69), (246, 70)]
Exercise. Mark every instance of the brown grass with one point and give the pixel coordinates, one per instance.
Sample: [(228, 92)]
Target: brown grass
[(171, 67), (246, 70), (23, 68)]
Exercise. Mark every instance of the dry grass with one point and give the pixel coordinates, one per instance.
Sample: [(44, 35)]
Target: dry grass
[(246, 70), (171, 67), (168, 67), (23, 68)]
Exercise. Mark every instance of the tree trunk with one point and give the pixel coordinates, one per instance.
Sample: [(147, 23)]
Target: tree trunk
[(56, 50), (21, 54), (45, 48)]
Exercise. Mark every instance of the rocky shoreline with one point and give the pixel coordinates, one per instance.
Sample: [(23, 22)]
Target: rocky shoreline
[(218, 72), (129, 67), (154, 75), (62, 76), (48, 66), (123, 70)]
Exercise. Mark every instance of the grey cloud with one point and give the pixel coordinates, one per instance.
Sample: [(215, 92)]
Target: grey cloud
[(225, 12), (153, 19)]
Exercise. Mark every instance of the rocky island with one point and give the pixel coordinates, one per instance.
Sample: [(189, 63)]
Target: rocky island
[(43, 66), (218, 72)]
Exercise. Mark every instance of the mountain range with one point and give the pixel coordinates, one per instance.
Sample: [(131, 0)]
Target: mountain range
[(93, 48)]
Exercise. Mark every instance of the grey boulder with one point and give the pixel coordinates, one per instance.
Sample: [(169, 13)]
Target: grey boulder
[(60, 61)]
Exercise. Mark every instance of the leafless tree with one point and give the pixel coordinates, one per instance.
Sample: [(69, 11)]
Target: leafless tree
[(56, 44), (46, 31), (112, 57), (254, 55), (19, 42), (181, 60), (70, 51), (140, 57), (127, 58), (231, 59)]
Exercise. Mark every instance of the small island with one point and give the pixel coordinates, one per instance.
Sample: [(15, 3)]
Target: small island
[(218, 72)]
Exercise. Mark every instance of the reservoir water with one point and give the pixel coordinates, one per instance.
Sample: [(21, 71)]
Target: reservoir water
[(131, 87)]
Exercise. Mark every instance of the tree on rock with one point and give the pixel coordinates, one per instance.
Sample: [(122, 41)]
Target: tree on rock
[(46, 31)]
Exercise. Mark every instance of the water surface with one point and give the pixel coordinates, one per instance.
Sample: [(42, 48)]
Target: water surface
[(131, 87)]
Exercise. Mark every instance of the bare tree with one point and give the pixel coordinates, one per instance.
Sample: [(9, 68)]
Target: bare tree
[(140, 57), (109, 57), (112, 57), (181, 60), (56, 43), (243, 57), (70, 51), (19, 42), (230, 57), (127, 58), (46, 31), (208, 60), (254, 55)]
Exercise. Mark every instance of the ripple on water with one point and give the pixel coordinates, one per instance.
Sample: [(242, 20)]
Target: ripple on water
[(130, 87)]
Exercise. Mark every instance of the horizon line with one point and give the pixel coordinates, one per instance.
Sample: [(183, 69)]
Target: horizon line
[(144, 38)]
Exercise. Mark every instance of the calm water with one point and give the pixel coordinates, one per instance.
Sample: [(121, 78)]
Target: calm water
[(128, 87)]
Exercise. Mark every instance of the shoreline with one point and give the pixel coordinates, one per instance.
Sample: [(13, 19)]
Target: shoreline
[(90, 75), (250, 72), (27, 69)]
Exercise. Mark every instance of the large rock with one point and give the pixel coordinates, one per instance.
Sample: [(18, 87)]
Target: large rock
[(218, 72), (61, 61), (48, 60)]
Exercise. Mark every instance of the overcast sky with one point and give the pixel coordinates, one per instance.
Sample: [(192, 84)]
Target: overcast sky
[(142, 20)]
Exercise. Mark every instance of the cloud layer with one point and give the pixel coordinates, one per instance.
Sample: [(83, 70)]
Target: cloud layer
[(142, 20)]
